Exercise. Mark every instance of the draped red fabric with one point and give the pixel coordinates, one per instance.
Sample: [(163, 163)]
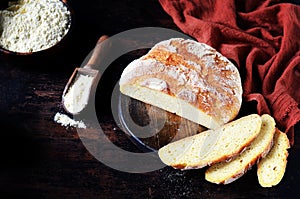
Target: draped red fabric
[(262, 38)]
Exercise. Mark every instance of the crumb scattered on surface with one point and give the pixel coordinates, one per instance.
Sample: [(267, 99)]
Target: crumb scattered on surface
[(65, 120)]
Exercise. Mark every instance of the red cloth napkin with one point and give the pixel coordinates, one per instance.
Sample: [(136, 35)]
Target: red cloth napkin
[(262, 38)]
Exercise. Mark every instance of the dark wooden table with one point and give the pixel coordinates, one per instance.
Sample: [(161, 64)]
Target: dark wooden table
[(42, 159)]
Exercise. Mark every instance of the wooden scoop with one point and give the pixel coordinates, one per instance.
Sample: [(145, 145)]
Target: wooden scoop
[(89, 71)]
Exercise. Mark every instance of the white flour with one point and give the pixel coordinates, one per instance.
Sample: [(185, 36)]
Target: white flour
[(33, 25), (77, 97), (65, 120)]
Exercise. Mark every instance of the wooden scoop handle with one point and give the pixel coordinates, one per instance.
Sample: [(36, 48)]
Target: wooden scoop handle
[(96, 58)]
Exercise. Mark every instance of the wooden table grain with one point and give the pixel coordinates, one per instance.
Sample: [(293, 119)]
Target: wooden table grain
[(42, 159)]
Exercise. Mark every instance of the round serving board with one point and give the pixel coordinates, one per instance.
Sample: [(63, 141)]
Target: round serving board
[(151, 127)]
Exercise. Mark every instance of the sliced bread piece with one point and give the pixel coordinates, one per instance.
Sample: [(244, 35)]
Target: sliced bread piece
[(228, 171), (271, 169), (212, 146)]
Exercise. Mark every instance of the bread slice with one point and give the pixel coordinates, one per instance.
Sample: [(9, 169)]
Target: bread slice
[(227, 172), (188, 78), (271, 169), (211, 146)]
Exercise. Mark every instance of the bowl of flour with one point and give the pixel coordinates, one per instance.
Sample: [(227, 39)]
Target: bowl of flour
[(30, 26)]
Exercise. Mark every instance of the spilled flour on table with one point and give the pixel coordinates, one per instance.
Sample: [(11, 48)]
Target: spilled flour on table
[(177, 184), (65, 120)]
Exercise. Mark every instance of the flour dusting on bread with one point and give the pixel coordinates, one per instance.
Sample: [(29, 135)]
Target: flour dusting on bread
[(201, 84)]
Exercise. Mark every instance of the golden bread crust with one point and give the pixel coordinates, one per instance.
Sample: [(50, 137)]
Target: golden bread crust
[(191, 71)]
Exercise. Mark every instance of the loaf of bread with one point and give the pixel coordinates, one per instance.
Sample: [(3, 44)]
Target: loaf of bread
[(188, 78), (271, 169), (228, 171), (212, 146)]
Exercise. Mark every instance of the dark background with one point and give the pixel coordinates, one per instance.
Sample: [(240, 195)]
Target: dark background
[(41, 159)]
